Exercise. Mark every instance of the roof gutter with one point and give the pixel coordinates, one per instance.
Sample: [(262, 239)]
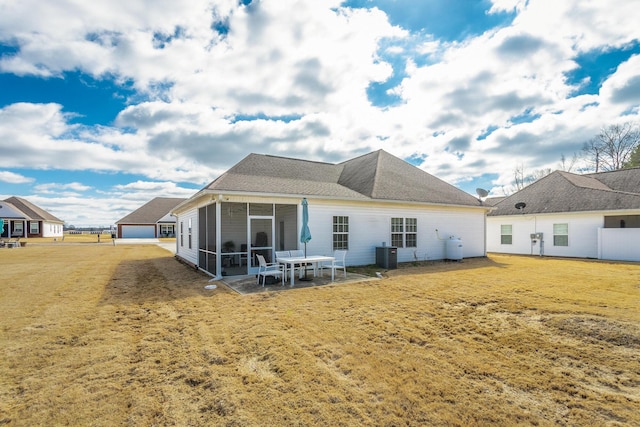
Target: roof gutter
[(204, 192)]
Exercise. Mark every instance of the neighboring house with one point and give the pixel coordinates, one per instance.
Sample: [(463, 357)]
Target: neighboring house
[(564, 214), (153, 219), (370, 201), (24, 219)]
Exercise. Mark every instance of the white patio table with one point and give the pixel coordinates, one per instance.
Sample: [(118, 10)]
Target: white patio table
[(290, 262)]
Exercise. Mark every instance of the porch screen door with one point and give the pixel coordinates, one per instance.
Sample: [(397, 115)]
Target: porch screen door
[(261, 234)]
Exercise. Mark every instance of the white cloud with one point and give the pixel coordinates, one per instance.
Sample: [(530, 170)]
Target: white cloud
[(150, 189), (68, 189), (507, 5), (76, 205), (310, 65), (14, 178)]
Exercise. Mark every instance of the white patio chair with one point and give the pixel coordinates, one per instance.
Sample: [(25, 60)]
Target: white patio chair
[(339, 263), (283, 254), (273, 269)]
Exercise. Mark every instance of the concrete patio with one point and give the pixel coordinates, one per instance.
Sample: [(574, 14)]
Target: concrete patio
[(248, 284)]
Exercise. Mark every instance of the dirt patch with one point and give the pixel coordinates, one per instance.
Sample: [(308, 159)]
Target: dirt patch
[(593, 329)]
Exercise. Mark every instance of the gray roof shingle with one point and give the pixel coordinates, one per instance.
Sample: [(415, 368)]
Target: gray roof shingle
[(152, 211), (32, 211), (627, 180), (377, 175), (568, 192)]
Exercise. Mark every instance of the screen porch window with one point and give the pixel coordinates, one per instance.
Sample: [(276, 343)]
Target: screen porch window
[(506, 234), (340, 232), (560, 234), (404, 232)]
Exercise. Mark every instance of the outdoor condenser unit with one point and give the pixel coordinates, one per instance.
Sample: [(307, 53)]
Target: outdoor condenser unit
[(387, 257)]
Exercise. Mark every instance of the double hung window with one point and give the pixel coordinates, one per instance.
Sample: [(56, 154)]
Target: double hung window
[(560, 234), (506, 234), (404, 232), (340, 232)]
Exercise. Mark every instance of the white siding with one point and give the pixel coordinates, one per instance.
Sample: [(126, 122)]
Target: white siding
[(521, 228), (52, 230), (168, 218), (182, 241), (370, 226), (583, 234)]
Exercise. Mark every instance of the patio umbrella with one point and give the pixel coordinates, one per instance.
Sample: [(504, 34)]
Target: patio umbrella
[(305, 233)]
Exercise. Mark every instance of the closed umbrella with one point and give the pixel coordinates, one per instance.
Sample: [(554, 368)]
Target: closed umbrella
[(1, 226), (305, 233)]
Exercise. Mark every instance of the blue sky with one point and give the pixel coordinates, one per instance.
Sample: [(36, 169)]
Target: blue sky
[(104, 106)]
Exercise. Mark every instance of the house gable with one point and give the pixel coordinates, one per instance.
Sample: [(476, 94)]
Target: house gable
[(152, 211), (32, 211)]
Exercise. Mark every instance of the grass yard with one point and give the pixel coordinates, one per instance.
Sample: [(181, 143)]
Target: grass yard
[(81, 238), (109, 335)]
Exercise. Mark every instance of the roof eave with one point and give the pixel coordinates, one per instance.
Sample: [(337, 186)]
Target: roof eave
[(197, 199), (635, 211)]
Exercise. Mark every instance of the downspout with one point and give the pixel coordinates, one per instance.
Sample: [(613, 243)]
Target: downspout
[(485, 233), (175, 232)]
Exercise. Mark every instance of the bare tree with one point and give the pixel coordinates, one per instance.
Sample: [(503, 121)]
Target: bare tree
[(568, 166), (538, 174), (612, 147), (521, 178)]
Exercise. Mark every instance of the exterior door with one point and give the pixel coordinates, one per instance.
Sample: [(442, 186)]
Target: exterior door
[(261, 232)]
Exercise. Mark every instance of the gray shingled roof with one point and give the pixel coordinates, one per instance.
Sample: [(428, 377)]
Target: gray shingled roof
[(32, 211), (152, 211), (568, 192), (627, 180), (377, 175), (492, 201)]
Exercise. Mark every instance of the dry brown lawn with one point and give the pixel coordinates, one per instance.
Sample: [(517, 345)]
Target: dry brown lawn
[(125, 335)]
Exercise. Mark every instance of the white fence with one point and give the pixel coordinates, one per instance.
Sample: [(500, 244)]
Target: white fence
[(621, 244)]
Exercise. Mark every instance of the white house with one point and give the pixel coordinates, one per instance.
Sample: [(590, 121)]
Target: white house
[(363, 203), (21, 218), (569, 215), (153, 219)]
